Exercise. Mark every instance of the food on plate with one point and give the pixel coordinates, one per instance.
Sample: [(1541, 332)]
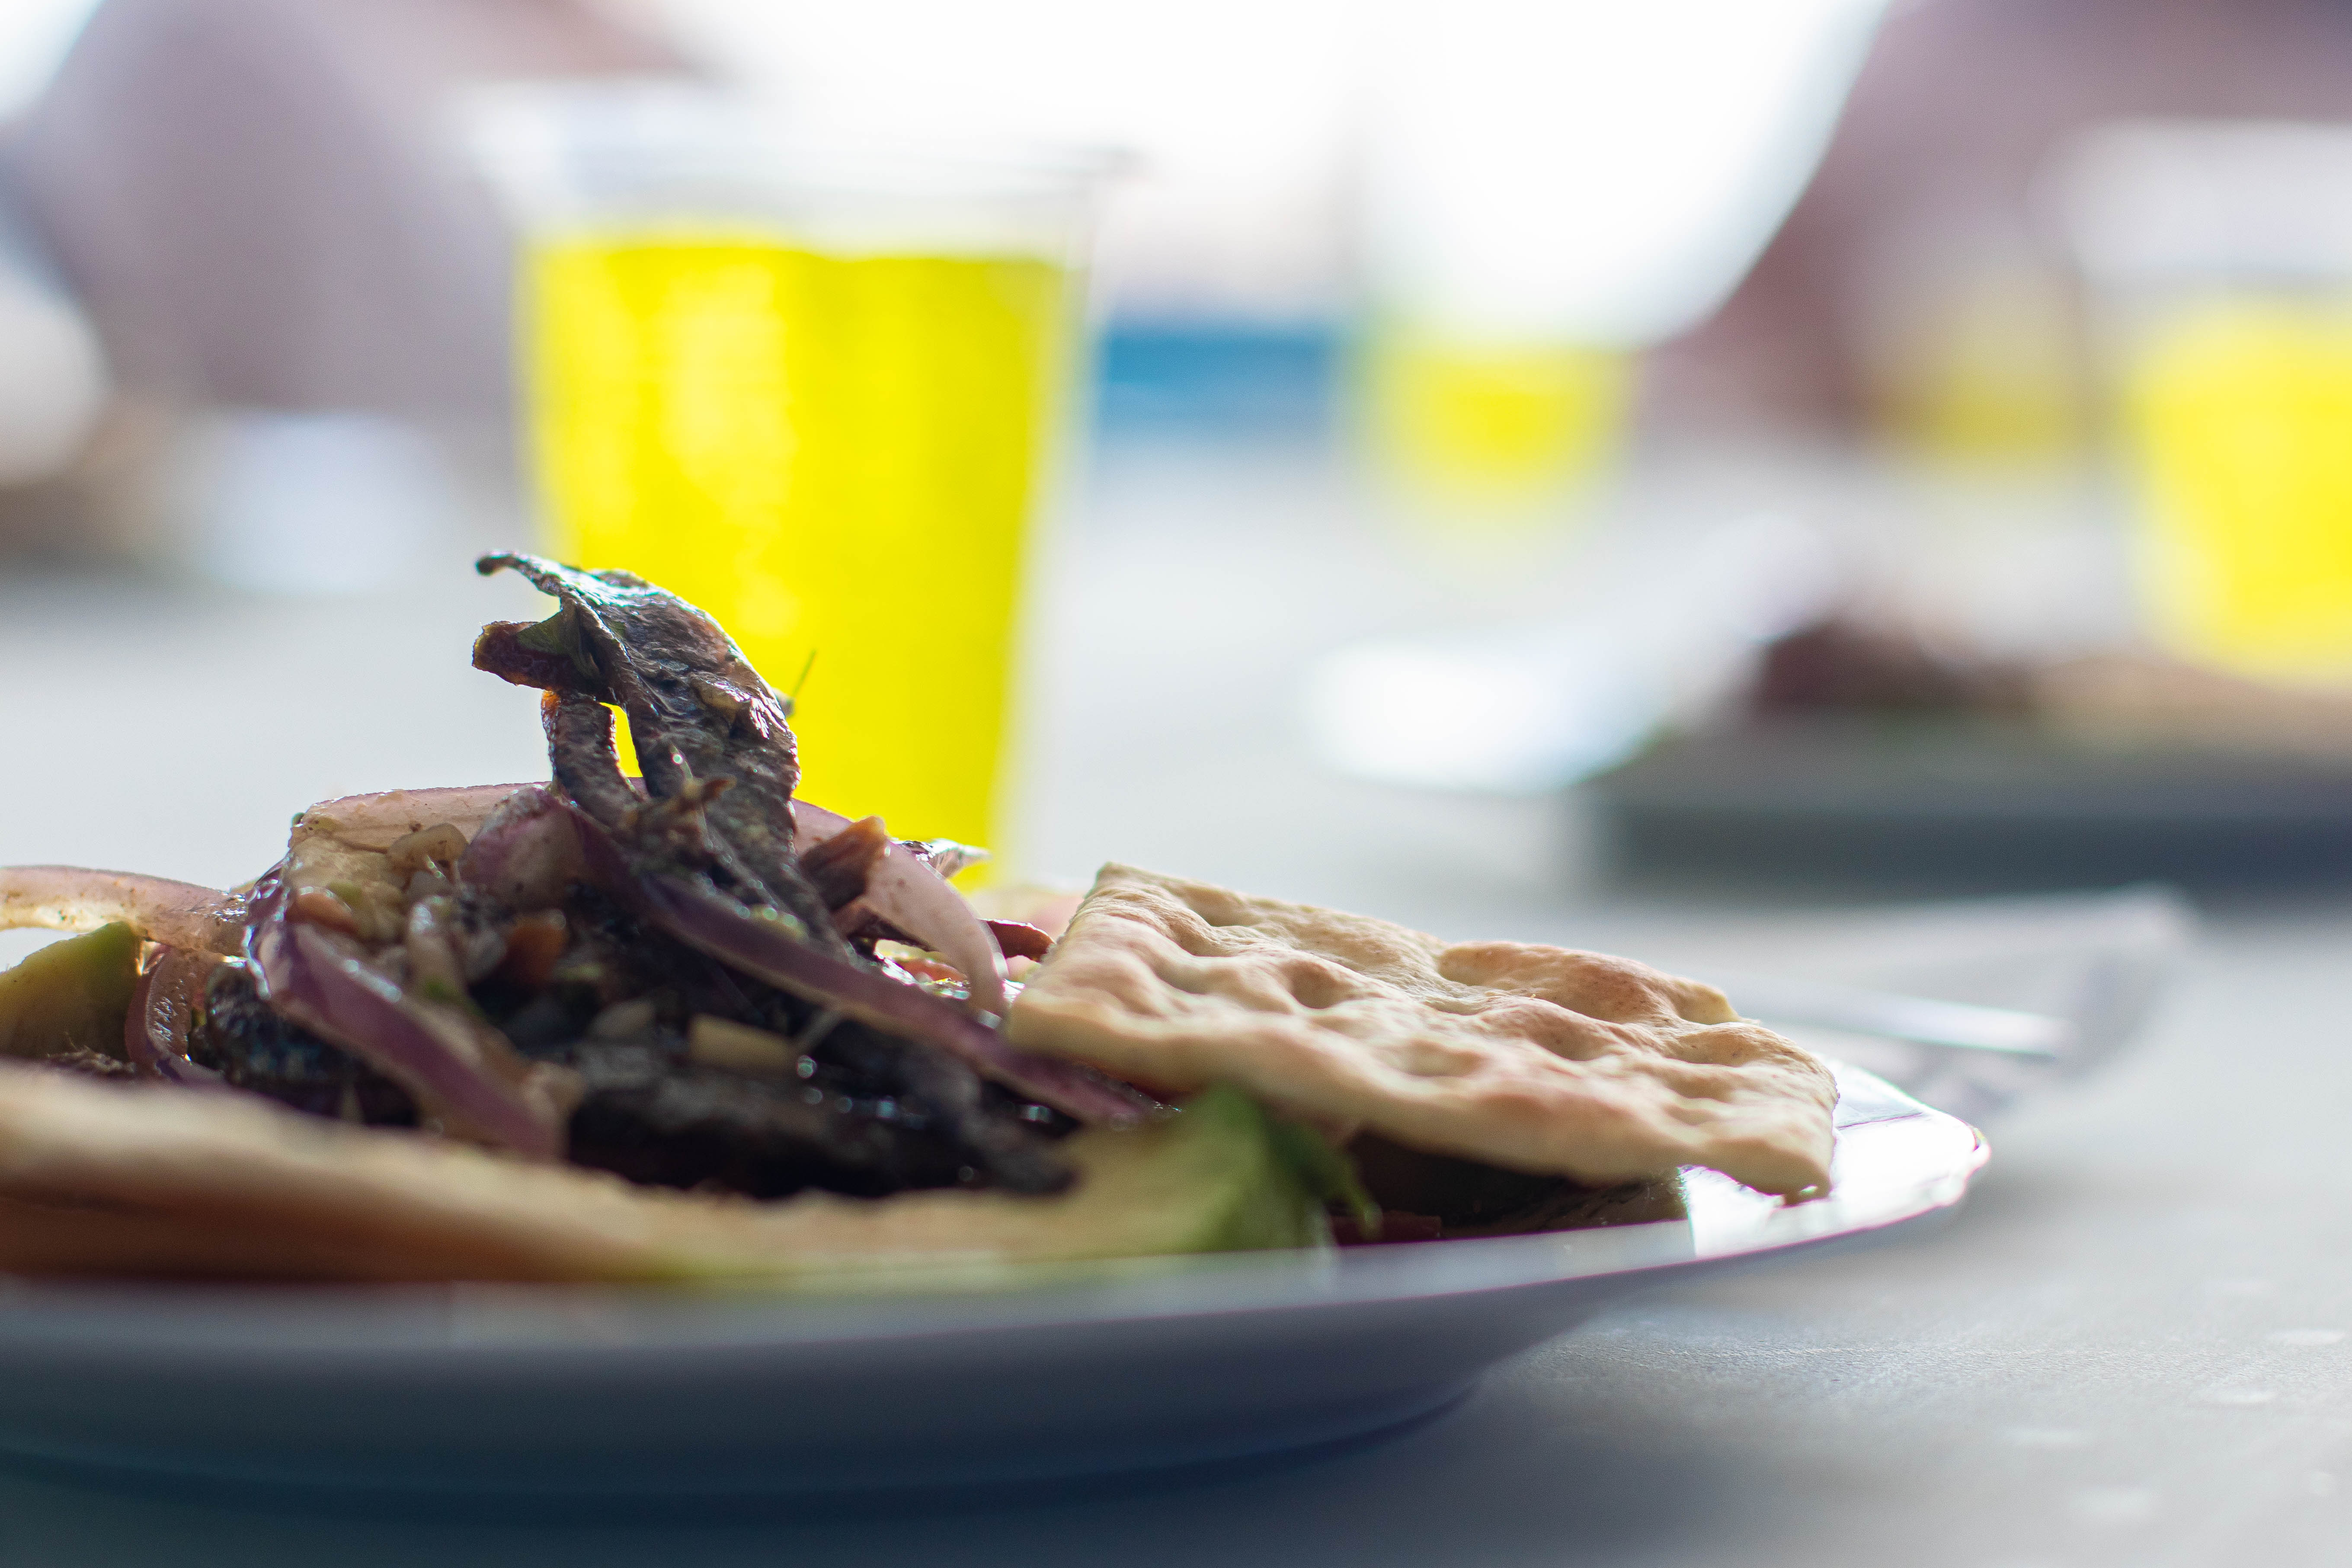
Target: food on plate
[(64, 1003), (689, 1026), (1852, 664), (1533, 1058), (2121, 698), (153, 1181)]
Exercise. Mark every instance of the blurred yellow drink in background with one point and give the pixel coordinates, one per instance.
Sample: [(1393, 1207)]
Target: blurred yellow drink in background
[(838, 456), (1493, 430), (1980, 374), (2240, 412)]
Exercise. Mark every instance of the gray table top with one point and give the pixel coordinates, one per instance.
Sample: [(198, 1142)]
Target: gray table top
[(2134, 1345)]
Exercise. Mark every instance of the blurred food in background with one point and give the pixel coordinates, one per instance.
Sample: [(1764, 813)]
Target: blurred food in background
[(2059, 320), (1867, 749), (2059, 312), (1858, 665)]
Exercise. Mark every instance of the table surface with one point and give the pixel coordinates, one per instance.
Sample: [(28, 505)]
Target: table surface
[(2130, 1347)]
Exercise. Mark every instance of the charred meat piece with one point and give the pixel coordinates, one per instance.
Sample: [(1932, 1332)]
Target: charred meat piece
[(657, 861), (697, 708), (838, 867), (1001, 1147), (655, 1118), (858, 1112), (238, 1037), (1424, 1196), (532, 653), (650, 1113), (672, 835), (580, 746), (855, 1122)]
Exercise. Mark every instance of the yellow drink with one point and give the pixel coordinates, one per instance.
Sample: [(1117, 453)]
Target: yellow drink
[(835, 455), (1493, 425), (2241, 413)]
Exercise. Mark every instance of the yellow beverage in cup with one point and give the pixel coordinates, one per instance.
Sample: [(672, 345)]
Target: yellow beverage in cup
[(1492, 431), (838, 454), (2241, 411)]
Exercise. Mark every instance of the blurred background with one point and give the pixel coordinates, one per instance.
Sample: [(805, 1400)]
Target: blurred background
[(1511, 463), (1681, 477)]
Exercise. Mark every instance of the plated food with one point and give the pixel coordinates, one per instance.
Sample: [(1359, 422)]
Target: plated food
[(1867, 748), (687, 1025), (2119, 699)]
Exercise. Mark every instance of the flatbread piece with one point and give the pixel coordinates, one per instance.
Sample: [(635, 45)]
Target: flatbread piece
[(1538, 1059), (159, 1181)]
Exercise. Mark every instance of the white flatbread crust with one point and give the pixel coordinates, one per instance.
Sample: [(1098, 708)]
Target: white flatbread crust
[(1536, 1059), (156, 1181)]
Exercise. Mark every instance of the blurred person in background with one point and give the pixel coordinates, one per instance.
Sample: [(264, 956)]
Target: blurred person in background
[(53, 375), (54, 384), (1915, 292), (257, 205), (260, 206)]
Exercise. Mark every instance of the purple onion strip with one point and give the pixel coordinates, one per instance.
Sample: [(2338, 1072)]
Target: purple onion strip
[(526, 853), (75, 898), (762, 947), (906, 891), (156, 1029), (436, 1053), (373, 821)]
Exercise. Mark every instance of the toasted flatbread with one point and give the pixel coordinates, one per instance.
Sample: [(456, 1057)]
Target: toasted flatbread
[(159, 1181), (1536, 1059)]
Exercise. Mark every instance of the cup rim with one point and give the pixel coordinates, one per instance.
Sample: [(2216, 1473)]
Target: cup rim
[(581, 143)]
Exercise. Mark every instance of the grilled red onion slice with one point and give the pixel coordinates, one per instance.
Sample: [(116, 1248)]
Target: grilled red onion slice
[(945, 856), (72, 898), (449, 1062), (155, 1030), (373, 821), (761, 946), (182, 915), (526, 853), (1018, 938), (907, 893)]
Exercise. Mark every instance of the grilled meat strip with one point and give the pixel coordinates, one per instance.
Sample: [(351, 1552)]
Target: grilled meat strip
[(998, 1140), (858, 1113), (533, 929), (697, 709), (236, 1035)]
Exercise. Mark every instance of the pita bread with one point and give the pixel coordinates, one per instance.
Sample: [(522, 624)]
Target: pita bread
[(155, 1181), (1536, 1059)]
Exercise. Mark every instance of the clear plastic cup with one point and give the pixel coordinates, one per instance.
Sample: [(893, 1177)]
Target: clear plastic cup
[(2220, 260), (1548, 192), (818, 389)]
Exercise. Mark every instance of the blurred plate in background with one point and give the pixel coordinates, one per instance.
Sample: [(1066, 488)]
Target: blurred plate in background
[(1969, 803)]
